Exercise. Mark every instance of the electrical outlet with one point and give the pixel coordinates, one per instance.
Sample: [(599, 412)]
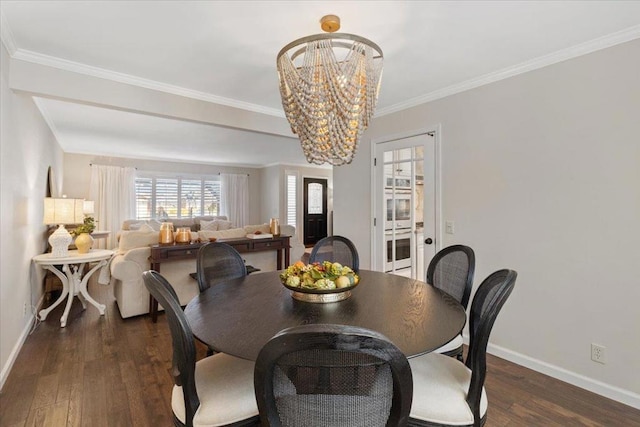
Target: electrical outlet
[(598, 353), (449, 227), (24, 309)]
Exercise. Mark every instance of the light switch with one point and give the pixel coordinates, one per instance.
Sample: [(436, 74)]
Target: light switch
[(449, 227)]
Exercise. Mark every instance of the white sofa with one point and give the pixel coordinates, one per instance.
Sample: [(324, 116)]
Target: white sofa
[(132, 258)]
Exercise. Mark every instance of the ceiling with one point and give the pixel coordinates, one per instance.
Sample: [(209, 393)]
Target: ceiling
[(224, 52)]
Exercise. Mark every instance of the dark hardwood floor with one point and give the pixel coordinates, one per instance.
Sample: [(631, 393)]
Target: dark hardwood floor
[(106, 371)]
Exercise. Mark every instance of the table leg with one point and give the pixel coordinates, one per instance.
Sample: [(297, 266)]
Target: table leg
[(83, 301), (71, 280), (77, 274), (287, 257), (279, 259), (65, 291), (82, 288)]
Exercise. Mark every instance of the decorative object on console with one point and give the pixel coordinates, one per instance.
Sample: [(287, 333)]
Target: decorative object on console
[(274, 226), (260, 235), (166, 233), (330, 95), (62, 211), (84, 240), (183, 235)]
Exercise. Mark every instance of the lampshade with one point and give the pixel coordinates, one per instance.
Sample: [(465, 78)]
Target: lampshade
[(329, 89), (88, 207), (63, 211)]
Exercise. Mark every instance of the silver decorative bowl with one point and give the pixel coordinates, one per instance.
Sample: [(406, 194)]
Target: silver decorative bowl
[(320, 296)]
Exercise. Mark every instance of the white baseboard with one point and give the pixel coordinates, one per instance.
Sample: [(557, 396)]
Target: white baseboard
[(615, 393), (6, 369), (16, 350)]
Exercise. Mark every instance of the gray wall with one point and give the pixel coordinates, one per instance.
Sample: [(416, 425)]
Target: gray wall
[(271, 190), (27, 149), (541, 174)]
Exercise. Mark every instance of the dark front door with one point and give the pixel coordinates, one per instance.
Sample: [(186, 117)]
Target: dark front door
[(315, 210)]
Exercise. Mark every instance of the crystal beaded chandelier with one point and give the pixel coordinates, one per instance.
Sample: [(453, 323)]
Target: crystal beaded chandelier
[(330, 93)]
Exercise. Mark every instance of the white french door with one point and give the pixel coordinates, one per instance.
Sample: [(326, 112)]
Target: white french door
[(404, 189)]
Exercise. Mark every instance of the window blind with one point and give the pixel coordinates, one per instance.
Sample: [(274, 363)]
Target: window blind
[(176, 197), (292, 180)]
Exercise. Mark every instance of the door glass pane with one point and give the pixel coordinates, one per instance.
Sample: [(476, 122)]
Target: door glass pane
[(404, 154), (314, 192), (419, 152), (403, 209), (403, 249)]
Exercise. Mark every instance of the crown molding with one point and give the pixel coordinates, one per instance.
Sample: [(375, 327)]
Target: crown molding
[(604, 42), (76, 67), (6, 35), (295, 165), (47, 118)]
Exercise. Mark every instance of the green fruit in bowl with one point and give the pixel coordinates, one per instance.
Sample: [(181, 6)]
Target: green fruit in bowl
[(293, 281)]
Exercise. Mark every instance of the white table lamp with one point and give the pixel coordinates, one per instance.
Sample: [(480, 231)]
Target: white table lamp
[(62, 211), (88, 207)]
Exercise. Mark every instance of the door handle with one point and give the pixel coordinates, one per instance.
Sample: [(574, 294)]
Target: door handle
[(428, 240)]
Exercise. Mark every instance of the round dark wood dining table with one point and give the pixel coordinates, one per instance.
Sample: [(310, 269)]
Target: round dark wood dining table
[(238, 317)]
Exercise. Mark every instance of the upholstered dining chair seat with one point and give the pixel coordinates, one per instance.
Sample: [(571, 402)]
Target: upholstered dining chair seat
[(225, 388), (435, 399)]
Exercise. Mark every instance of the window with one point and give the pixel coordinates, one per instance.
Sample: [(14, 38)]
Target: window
[(176, 197), (291, 192), (144, 198)]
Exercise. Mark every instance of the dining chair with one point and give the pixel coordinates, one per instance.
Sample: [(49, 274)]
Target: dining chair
[(448, 392), (332, 375), (216, 262), (215, 391), (336, 249), (452, 270)]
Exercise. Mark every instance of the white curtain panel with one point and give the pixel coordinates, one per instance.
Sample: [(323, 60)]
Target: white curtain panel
[(234, 198), (113, 190)]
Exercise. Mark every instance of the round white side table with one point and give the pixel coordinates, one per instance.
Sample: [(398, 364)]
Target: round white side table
[(74, 280)]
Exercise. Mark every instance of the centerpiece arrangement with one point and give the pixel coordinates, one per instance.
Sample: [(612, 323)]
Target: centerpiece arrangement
[(319, 282)]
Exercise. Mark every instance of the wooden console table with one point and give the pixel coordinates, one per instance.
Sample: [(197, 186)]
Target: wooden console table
[(174, 252)]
